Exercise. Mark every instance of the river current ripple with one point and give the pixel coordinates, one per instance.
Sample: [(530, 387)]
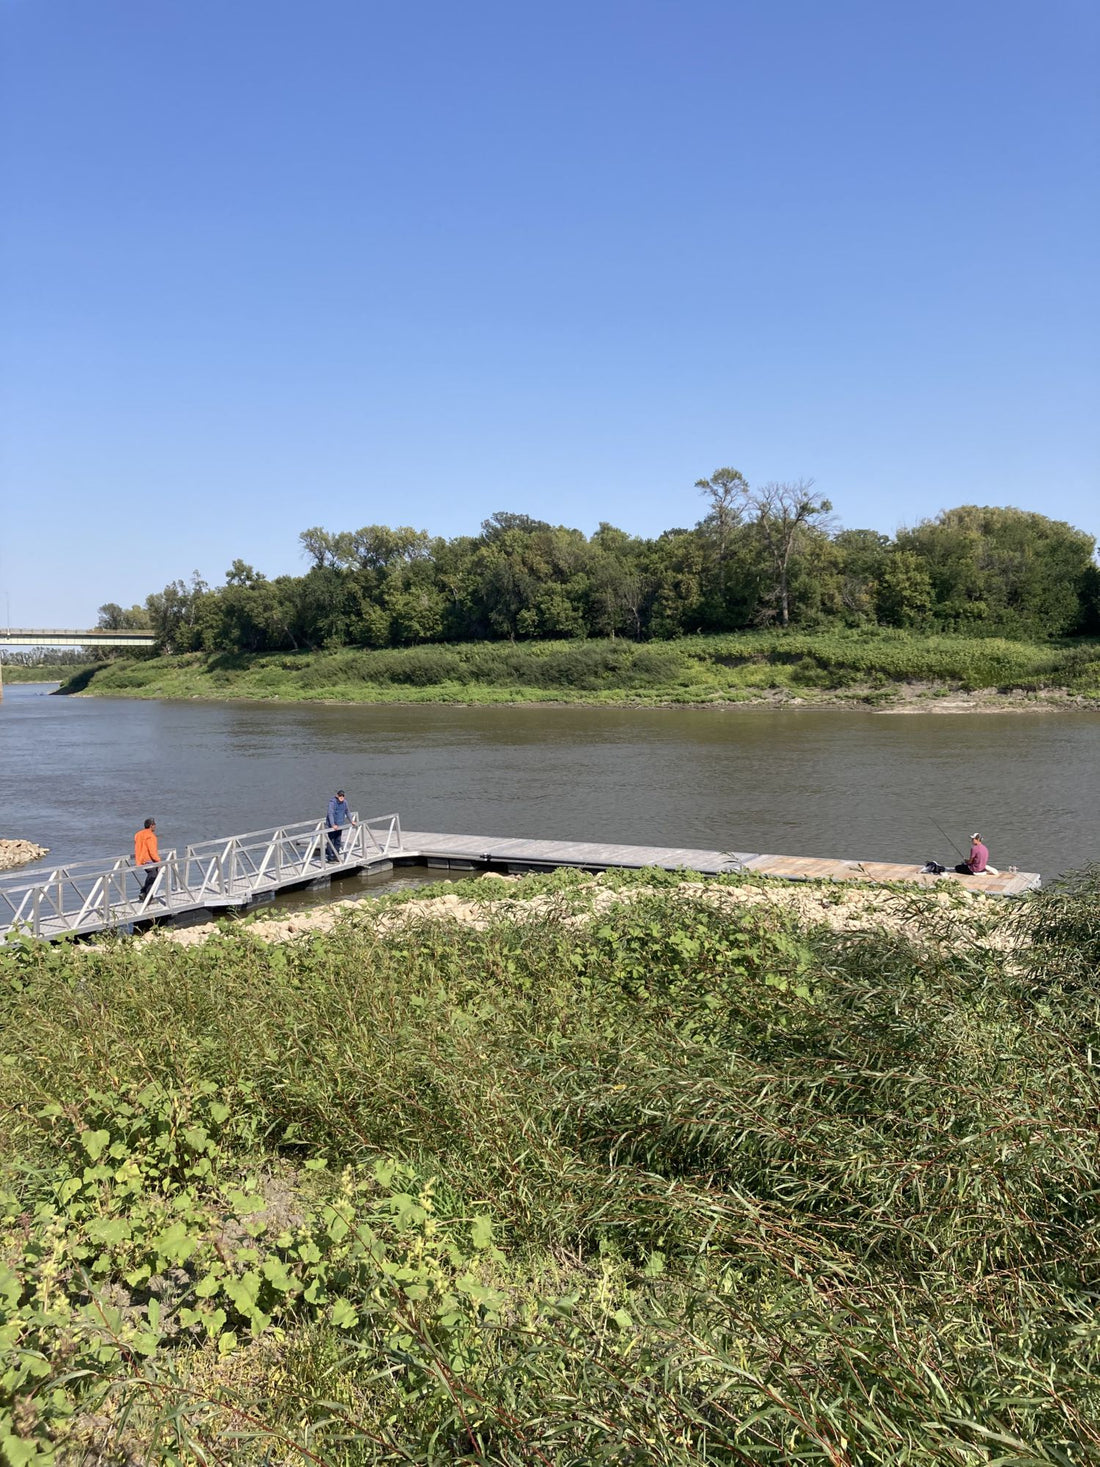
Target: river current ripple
[(79, 775)]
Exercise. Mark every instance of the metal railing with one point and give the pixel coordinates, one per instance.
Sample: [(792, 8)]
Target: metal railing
[(95, 895), (67, 637)]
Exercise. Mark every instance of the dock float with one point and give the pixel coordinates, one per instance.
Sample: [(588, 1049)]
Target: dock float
[(241, 871), (481, 852)]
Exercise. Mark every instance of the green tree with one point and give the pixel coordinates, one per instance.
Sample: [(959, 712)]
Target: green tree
[(114, 618), (619, 589), (781, 517), (175, 612), (728, 493), (903, 592), (325, 550), (676, 564), (416, 614), (504, 586), (1088, 623), (453, 567), (242, 574), (328, 607), (817, 587), (503, 521), (783, 514), (529, 578), (863, 558), (378, 548), (1003, 569)]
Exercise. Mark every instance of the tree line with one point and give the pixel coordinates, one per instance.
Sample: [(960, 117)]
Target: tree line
[(759, 556)]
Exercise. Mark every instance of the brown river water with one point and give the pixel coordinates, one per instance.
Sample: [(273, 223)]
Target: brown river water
[(80, 774)]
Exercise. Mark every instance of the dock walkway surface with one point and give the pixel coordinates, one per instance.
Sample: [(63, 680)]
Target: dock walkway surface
[(240, 871), (476, 852)]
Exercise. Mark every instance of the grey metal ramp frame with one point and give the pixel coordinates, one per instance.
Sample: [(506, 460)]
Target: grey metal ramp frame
[(95, 896)]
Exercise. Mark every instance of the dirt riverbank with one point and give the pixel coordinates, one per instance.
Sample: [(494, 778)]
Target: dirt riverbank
[(944, 916), (898, 698)]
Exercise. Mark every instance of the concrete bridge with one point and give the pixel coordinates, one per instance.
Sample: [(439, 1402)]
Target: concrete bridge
[(92, 637)]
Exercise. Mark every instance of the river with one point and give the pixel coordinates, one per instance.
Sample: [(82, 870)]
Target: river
[(80, 774)]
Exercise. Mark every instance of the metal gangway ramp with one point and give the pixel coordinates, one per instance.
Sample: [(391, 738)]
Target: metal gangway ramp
[(232, 871)]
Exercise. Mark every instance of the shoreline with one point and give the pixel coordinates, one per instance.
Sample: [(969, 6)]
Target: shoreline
[(903, 699), (953, 913), (881, 673)]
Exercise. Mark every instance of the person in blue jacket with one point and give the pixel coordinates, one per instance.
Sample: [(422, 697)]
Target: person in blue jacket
[(339, 817)]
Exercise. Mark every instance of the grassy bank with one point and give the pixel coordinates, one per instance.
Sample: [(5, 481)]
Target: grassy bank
[(740, 667), (41, 672), (657, 1180)]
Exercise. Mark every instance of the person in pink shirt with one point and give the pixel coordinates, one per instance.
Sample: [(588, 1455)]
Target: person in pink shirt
[(978, 858)]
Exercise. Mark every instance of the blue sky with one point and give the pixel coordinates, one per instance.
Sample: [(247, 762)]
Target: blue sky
[(272, 265)]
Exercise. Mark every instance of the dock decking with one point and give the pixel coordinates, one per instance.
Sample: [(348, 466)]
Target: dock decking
[(476, 851), (239, 871)]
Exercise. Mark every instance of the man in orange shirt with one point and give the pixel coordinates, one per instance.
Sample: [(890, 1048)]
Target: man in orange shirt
[(146, 854)]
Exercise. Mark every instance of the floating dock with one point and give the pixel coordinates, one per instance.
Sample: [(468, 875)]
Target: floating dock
[(481, 852), (241, 871)]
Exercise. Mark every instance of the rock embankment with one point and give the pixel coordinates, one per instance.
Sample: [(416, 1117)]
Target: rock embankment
[(18, 852)]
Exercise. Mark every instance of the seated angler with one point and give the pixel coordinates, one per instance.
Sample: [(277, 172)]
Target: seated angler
[(978, 859)]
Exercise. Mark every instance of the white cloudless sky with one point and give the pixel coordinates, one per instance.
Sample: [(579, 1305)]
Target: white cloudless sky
[(274, 265)]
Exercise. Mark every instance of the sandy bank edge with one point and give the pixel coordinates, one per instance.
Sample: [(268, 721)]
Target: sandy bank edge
[(943, 916)]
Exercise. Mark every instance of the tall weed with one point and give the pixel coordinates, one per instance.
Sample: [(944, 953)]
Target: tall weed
[(669, 1183)]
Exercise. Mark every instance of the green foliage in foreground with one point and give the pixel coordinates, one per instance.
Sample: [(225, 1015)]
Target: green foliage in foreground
[(734, 667), (674, 1182)]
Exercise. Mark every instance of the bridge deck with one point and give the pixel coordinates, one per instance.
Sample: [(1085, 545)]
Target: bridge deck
[(65, 637)]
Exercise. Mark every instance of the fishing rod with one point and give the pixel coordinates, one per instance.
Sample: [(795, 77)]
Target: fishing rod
[(948, 839)]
